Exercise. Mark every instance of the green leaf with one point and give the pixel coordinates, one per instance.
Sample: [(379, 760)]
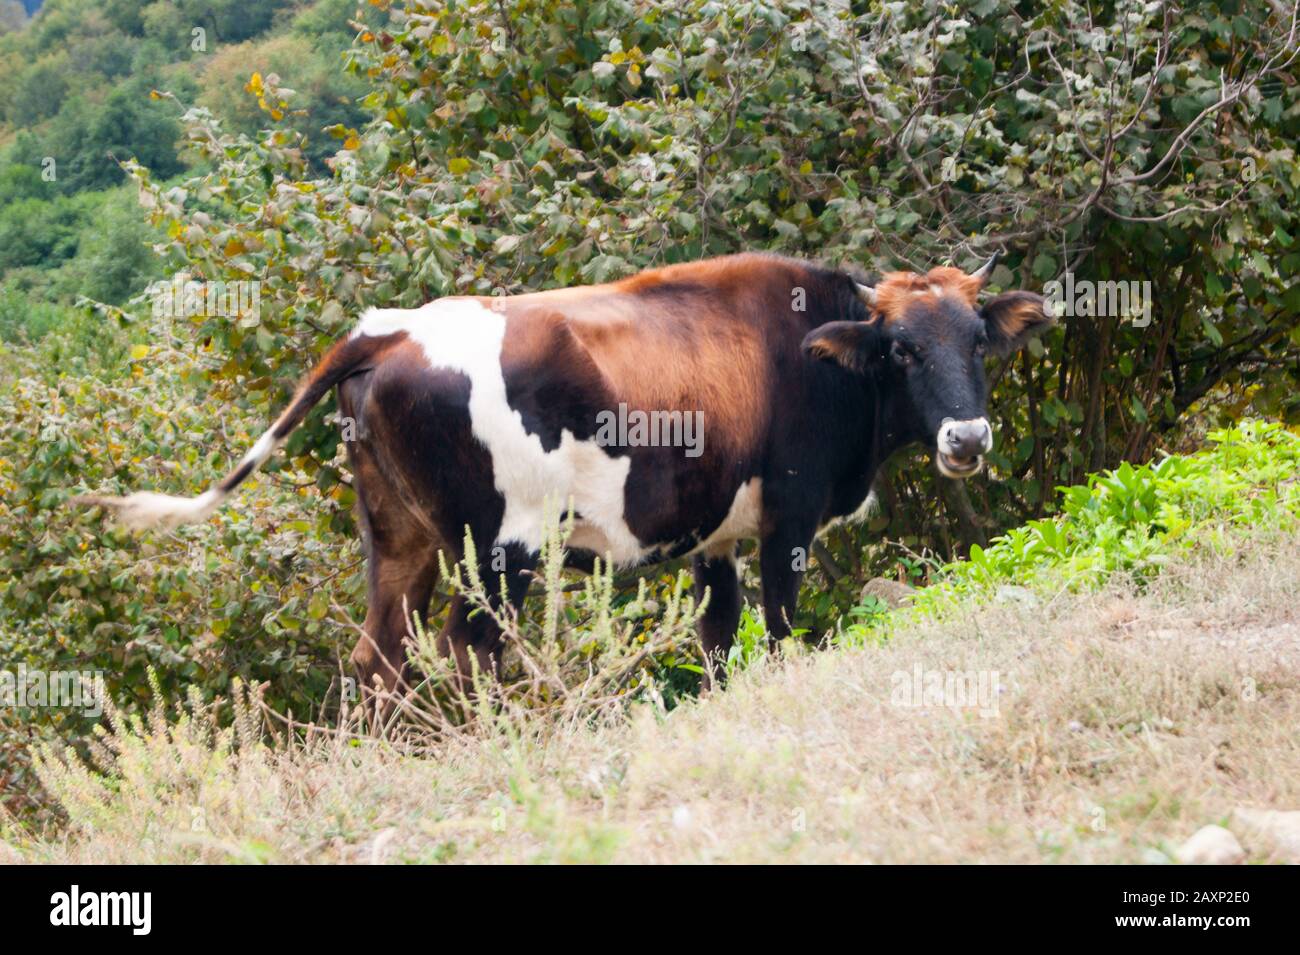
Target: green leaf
[(1044, 267)]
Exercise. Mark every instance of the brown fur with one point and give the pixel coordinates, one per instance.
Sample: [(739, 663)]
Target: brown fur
[(898, 290), (839, 342), (627, 337), (1014, 317)]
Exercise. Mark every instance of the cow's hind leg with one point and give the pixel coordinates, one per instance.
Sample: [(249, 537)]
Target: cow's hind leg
[(474, 639), (401, 548), (400, 585)]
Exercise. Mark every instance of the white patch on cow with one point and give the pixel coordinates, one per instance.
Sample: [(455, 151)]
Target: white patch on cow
[(868, 508), (742, 521), (463, 336)]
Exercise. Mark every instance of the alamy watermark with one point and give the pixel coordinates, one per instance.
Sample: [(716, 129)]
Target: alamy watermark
[(182, 297), (955, 689), (1102, 299), (131, 910), (71, 689), (631, 428)]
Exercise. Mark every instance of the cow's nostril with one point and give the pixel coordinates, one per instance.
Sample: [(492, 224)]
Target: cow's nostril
[(966, 439)]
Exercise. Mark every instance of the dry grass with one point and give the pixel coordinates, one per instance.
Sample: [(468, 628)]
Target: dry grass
[(1126, 721)]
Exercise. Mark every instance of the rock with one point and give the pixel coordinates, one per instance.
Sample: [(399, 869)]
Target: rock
[(889, 592), (917, 781), (1211, 845), (1270, 831), (1153, 856), (379, 847)]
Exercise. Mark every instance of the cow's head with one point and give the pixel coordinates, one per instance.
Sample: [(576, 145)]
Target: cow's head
[(924, 342)]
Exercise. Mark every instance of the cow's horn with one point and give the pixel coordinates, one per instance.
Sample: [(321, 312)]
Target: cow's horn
[(866, 293), (986, 270)]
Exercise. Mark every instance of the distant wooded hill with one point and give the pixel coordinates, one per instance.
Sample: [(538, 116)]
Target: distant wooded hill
[(88, 84)]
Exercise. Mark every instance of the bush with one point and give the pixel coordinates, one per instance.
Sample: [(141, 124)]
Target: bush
[(247, 594), (1133, 520)]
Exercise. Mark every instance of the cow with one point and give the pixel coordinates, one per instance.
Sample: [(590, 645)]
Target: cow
[(475, 415)]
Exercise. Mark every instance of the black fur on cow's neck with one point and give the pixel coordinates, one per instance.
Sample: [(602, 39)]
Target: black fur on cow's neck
[(857, 419), (864, 429)]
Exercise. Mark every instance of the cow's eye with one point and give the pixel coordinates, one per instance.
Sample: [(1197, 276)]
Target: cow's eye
[(980, 349), (902, 357)]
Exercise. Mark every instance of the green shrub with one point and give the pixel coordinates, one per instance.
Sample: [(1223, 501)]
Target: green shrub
[(250, 593), (1134, 519)]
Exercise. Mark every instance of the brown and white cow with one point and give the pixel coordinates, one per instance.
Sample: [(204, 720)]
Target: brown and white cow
[(483, 413)]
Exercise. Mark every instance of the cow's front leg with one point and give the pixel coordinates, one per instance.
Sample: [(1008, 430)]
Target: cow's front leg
[(717, 574), (783, 557)]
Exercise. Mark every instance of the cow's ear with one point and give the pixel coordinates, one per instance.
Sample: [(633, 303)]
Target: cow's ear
[(853, 345), (1012, 318)]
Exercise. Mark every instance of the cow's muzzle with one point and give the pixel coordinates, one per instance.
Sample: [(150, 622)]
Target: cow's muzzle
[(960, 446)]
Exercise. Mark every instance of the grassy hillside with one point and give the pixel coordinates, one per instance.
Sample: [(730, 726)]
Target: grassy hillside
[(1097, 711)]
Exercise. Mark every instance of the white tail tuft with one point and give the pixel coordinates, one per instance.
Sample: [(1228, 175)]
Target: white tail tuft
[(146, 509)]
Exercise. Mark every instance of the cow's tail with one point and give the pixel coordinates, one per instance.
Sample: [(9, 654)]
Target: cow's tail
[(147, 509)]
